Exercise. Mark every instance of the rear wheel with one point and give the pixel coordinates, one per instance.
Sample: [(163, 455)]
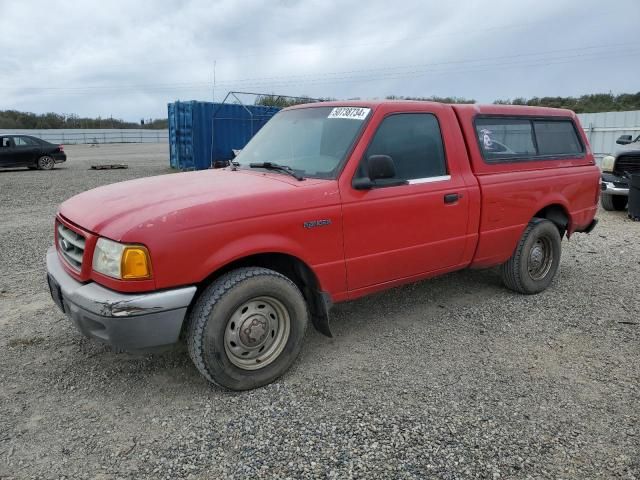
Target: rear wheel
[(535, 262), (613, 202), (246, 328), (46, 162)]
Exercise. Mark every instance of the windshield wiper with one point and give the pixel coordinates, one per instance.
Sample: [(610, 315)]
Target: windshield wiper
[(277, 166)]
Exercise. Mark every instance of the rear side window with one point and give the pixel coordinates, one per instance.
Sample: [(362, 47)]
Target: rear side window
[(556, 138), (414, 142), (504, 139), (24, 141)]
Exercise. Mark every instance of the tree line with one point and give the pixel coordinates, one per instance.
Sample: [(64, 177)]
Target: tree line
[(593, 103), (596, 102), (284, 101), (12, 119)]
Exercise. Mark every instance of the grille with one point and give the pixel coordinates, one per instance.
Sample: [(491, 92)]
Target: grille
[(627, 164), (71, 246)]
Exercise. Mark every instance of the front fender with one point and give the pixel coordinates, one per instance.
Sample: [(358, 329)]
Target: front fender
[(252, 245), (319, 301)]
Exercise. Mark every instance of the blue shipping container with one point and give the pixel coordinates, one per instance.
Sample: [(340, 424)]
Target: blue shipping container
[(201, 133)]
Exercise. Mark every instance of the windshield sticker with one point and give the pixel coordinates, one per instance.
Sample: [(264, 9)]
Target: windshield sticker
[(353, 113)]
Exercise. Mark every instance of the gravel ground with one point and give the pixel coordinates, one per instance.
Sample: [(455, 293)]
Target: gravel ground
[(450, 378)]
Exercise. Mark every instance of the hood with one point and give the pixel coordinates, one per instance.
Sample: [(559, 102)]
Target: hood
[(629, 148), (193, 199)]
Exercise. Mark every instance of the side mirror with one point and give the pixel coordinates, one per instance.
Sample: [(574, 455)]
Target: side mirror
[(380, 167), (381, 173), (624, 140), (362, 183)]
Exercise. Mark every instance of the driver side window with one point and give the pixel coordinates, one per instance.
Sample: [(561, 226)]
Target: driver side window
[(414, 142)]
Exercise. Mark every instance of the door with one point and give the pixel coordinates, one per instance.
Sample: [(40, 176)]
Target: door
[(26, 150), (397, 232), (7, 152)]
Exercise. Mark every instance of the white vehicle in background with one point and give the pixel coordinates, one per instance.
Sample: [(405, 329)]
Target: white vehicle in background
[(616, 171)]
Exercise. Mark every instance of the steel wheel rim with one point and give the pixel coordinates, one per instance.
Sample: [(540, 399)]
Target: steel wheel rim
[(257, 332), (540, 258), (46, 162)]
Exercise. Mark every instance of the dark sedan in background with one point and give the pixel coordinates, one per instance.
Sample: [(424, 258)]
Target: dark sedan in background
[(28, 151)]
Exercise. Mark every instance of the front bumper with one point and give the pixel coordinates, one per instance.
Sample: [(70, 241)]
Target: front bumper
[(127, 321), (614, 185)]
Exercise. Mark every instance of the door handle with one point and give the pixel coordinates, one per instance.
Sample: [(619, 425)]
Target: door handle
[(451, 197)]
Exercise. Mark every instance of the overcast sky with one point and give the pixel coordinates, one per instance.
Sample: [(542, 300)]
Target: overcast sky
[(129, 58)]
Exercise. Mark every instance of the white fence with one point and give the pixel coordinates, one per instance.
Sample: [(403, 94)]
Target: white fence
[(604, 128), (91, 135)]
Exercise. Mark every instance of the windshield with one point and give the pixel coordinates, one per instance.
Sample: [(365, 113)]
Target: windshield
[(311, 141)]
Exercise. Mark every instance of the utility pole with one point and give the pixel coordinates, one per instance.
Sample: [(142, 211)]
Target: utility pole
[(213, 128), (213, 89)]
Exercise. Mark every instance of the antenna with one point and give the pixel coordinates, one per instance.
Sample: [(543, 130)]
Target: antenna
[(213, 90), (213, 125)]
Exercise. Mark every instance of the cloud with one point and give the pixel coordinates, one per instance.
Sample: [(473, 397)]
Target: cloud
[(128, 59)]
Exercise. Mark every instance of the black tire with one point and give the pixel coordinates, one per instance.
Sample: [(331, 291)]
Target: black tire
[(613, 203), (211, 319), (522, 272), (46, 162)]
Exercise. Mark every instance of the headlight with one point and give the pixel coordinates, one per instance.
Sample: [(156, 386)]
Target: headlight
[(607, 163), (124, 262)]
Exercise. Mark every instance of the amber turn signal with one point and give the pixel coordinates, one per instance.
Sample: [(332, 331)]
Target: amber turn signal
[(135, 263)]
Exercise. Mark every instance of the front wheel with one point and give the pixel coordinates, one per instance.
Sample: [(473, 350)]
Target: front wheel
[(613, 203), (535, 262), (246, 328), (46, 162)]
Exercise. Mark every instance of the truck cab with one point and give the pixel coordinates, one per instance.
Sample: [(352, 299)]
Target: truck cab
[(328, 202)]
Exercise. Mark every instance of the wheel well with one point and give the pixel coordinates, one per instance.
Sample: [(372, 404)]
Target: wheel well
[(556, 214), (294, 269), (288, 265)]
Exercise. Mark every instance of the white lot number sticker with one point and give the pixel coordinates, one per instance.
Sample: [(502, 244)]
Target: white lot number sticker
[(354, 113)]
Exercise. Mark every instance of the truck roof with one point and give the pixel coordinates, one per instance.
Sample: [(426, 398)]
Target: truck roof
[(512, 110), (468, 108)]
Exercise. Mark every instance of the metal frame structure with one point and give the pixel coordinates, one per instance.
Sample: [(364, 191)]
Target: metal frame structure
[(234, 95)]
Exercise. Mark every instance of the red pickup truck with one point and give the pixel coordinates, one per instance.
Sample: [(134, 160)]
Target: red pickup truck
[(328, 202)]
